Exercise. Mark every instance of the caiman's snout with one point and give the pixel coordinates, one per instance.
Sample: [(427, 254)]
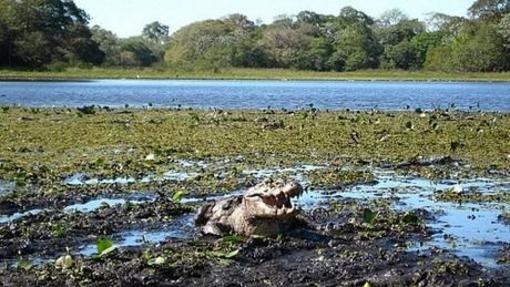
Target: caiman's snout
[(274, 200)]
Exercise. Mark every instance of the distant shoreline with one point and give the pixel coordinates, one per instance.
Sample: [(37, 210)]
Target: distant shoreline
[(248, 74)]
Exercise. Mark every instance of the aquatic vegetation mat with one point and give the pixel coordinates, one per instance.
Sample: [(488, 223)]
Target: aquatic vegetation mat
[(410, 198)]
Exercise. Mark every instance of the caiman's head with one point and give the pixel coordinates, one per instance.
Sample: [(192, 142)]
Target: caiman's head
[(265, 209), (272, 200)]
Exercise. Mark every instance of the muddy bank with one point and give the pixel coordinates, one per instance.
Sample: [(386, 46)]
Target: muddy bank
[(337, 247), (50, 233)]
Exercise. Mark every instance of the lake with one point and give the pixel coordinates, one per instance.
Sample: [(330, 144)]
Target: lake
[(205, 94)]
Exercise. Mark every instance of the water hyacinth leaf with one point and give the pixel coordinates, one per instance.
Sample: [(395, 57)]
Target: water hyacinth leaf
[(368, 216), (100, 162), (103, 245), (108, 250), (25, 264), (178, 195)]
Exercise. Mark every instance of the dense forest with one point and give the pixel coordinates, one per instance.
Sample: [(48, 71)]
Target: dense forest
[(56, 34)]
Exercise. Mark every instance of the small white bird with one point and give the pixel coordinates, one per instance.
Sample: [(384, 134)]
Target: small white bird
[(150, 157), (456, 189)]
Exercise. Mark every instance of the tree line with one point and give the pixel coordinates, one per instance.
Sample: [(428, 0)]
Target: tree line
[(56, 33)]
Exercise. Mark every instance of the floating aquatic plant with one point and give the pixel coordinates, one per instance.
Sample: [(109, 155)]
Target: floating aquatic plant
[(105, 246)]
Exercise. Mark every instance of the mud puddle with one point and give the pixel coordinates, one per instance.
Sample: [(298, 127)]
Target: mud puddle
[(95, 204), (16, 216), (171, 175), (468, 229), (6, 187), (180, 228), (297, 171), (85, 207)]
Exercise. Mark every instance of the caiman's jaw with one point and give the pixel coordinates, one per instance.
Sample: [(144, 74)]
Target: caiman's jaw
[(273, 201)]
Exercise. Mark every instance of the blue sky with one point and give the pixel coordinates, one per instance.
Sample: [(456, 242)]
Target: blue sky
[(128, 17)]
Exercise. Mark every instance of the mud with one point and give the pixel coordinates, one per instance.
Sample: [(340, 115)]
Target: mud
[(336, 249), (413, 234)]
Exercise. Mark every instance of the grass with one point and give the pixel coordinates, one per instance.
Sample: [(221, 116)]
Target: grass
[(245, 74), (45, 144)]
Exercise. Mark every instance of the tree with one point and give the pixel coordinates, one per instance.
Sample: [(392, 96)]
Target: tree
[(283, 44), (240, 20), (504, 30), (109, 44), (401, 31), (425, 42), (403, 55), (317, 56), (138, 52), (355, 44), (156, 36), (43, 31), (392, 17), (356, 48), (156, 32), (489, 9), (350, 16), (479, 49), (207, 43)]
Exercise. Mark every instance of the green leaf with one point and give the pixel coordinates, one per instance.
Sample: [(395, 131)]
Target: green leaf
[(103, 245), (100, 162), (368, 216), (178, 195), (108, 250), (234, 239), (25, 265)]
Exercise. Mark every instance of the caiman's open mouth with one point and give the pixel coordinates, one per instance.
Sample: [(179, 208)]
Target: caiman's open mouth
[(274, 200)]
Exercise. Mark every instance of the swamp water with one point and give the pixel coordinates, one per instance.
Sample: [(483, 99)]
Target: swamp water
[(205, 94), (468, 229)]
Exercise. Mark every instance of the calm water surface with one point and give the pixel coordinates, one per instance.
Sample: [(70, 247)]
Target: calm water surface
[(259, 94)]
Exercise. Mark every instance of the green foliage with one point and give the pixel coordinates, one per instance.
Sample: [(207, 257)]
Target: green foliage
[(104, 245), (109, 44), (210, 42), (178, 196), (136, 52), (404, 55), (39, 32), (369, 216), (25, 264), (476, 48), (489, 9), (504, 30), (54, 34), (156, 32)]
